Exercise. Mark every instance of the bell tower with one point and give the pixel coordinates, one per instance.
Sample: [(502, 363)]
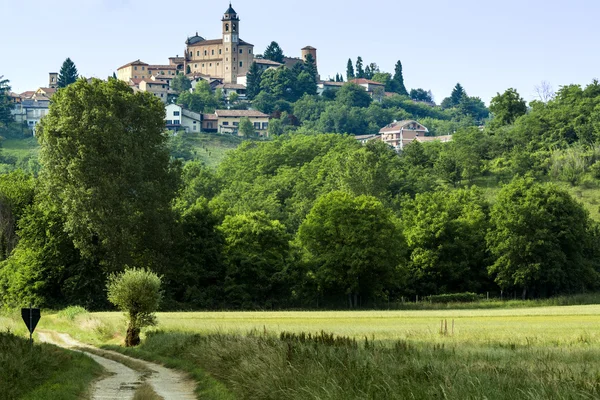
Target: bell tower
[(231, 38)]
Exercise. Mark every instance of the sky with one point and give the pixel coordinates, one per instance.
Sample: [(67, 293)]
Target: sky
[(487, 46)]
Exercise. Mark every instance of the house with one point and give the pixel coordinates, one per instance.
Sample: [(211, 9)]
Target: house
[(364, 139), (210, 123), (323, 86), (369, 85), (228, 121), (45, 92), (158, 88), (229, 88), (178, 118), (31, 110), (399, 133)]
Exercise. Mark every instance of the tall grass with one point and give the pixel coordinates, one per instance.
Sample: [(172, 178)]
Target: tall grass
[(264, 366), (43, 371)]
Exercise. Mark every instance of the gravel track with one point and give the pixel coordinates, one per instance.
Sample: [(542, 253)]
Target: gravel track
[(123, 381)]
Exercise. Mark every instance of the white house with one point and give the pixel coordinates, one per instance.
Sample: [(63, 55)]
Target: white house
[(178, 118)]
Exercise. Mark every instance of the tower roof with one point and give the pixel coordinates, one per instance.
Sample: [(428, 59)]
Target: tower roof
[(230, 13), (194, 39)]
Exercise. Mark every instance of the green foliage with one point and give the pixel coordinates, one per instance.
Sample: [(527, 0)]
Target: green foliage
[(445, 233), (353, 246), (256, 252), (273, 52), (253, 81), (360, 72), (507, 107), (72, 312), (201, 99), (539, 236), (350, 70), (68, 74), (137, 293), (43, 371), (5, 105), (246, 128), (397, 84), (466, 297), (421, 95), (181, 83), (353, 95)]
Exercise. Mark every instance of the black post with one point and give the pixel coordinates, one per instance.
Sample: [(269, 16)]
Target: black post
[(30, 324)]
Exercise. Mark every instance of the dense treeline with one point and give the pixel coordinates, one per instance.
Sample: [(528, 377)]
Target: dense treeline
[(303, 220)]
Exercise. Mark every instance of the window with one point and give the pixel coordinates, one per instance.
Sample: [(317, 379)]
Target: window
[(226, 58), (227, 49), (249, 51), (202, 65), (194, 128), (169, 122), (161, 95), (209, 125), (225, 123), (220, 50), (176, 122), (143, 68), (210, 64), (226, 27), (198, 53), (241, 51), (265, 125), (205, 52), (226, 68), (135, 68), (217, 64), (257, 125), (176, 113), (195, 65), (135, 77), (236, 123), (240, 64), (213, 52)]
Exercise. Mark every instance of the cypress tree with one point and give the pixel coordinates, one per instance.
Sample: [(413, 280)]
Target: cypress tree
[(349, 70), (68, 74), (399, 80), (274, 53), (360, 72), (253, 79)]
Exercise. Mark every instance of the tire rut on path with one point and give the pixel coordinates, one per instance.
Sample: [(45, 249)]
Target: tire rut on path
[(121, 385)]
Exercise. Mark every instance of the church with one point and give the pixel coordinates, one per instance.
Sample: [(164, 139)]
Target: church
[(226, 58)]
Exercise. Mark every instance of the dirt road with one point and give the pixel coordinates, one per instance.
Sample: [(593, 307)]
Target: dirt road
[(123, 381)]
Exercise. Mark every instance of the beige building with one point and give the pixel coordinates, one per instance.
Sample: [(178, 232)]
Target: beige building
[(134, 70), (226, 58), (158, 88), (399, 134), (228, 121)]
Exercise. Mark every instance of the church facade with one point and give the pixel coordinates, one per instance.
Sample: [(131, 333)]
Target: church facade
[(225, 58)]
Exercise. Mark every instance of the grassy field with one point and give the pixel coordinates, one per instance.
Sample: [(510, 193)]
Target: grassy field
[(524, 353), (211, 148), (21, 148), (44, 371)]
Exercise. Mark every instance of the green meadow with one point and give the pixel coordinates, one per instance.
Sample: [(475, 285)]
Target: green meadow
[(549, 352)]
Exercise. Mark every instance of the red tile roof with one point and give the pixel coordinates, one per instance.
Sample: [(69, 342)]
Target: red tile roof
[(363, 81)]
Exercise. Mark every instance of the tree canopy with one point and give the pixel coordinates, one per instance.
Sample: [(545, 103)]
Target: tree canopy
[(68, 73)]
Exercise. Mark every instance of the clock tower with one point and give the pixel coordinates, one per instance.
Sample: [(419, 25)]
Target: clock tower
[(231, 38)]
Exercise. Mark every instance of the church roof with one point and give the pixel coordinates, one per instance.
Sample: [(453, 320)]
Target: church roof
[(194, 39), (217, 41), (136, 62)]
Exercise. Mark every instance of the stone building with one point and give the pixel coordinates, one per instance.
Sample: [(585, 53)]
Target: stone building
[(226, 58)]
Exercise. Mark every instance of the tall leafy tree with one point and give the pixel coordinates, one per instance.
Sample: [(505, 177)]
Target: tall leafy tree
[(538, 238), (507, 107), (5, 105), (68, 73), (421, 95), (354, 246), (253, 79), (106, 169), (273, 52), (246, 127), (353, 95), (181, 83), (349, 70), (360, 72), (256, 252), (445, 232)]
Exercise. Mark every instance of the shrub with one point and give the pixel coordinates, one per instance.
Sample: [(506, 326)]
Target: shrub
[(72, 312), (466, 297), (137, 293), (595, 169)]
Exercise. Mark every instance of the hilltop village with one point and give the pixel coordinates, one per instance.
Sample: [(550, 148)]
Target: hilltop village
[(228, 67)]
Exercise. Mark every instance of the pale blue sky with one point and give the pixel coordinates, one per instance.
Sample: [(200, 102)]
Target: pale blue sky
[(487, 46)]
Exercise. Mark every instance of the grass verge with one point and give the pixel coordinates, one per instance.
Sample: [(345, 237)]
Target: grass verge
[(266, 366), (43, 371)]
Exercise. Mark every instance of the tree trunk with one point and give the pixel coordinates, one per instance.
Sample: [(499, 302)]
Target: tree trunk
[(133, 336), (524, 295)]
